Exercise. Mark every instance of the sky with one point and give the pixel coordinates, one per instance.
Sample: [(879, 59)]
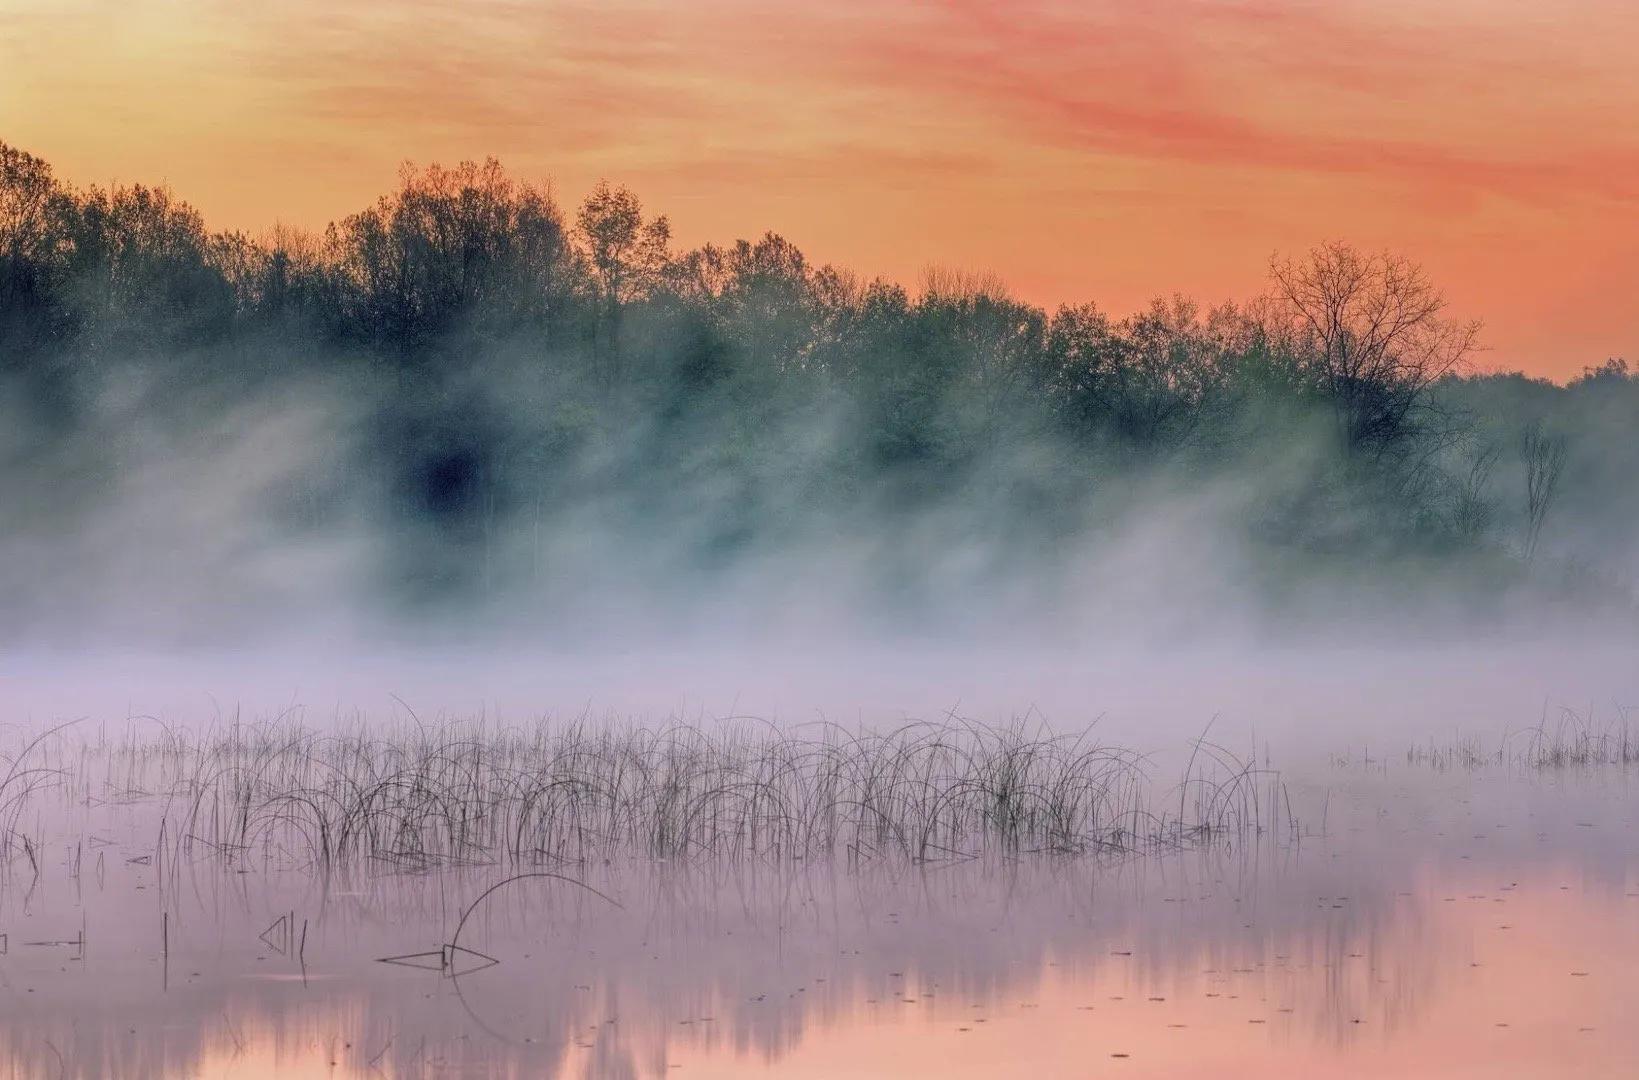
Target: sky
[(1106, 151)]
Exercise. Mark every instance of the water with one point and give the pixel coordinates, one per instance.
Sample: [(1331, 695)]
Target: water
[(1418, 923)]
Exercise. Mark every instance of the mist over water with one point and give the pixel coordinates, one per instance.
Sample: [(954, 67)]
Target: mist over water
[(1299, 703), (199, 582)]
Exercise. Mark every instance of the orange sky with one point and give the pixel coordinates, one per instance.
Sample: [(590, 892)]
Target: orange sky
[(1091, 150)]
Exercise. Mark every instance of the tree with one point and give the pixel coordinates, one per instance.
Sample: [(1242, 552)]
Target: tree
[(289, 279), (1369, 332), (980, 346), (26, 191), (32, 243), (142, 275), (627, 255), (465, 249), (1470, 508), (1143, 381), (1543, 456)]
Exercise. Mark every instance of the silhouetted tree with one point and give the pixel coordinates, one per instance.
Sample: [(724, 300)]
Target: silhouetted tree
[(454, 251), (1369, 332), (1543, 456), (141, 276), (32, 249), (627, 254)]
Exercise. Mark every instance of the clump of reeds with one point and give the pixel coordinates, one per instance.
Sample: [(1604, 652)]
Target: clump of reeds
[(421, 796), (1581, 739), (1569, 739), (22, 774), (1467, 752)]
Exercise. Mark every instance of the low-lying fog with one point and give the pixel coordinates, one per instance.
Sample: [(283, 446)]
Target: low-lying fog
[(1298, 700)]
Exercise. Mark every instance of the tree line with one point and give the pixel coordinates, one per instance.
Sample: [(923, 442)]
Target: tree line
[(521, 363)]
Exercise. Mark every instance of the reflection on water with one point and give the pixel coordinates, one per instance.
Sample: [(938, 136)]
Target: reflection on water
[(1425, 925)]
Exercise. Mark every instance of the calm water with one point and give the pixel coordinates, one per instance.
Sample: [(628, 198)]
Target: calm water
[(1438, 924)]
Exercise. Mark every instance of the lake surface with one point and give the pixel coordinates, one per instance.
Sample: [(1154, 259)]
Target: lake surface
[(1420, 922)]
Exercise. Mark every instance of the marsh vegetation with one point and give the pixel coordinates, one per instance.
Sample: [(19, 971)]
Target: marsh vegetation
[(468, 793), (1564, 739)]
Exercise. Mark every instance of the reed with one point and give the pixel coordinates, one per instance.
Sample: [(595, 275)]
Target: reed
[(1564, 739), (413, 797)]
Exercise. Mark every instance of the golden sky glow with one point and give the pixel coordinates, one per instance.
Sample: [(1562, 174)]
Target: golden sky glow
[(1091, 150)]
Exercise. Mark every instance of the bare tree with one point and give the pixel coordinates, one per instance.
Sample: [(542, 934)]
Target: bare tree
[(1370, 333), (1543, 456), (1471, 511)]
